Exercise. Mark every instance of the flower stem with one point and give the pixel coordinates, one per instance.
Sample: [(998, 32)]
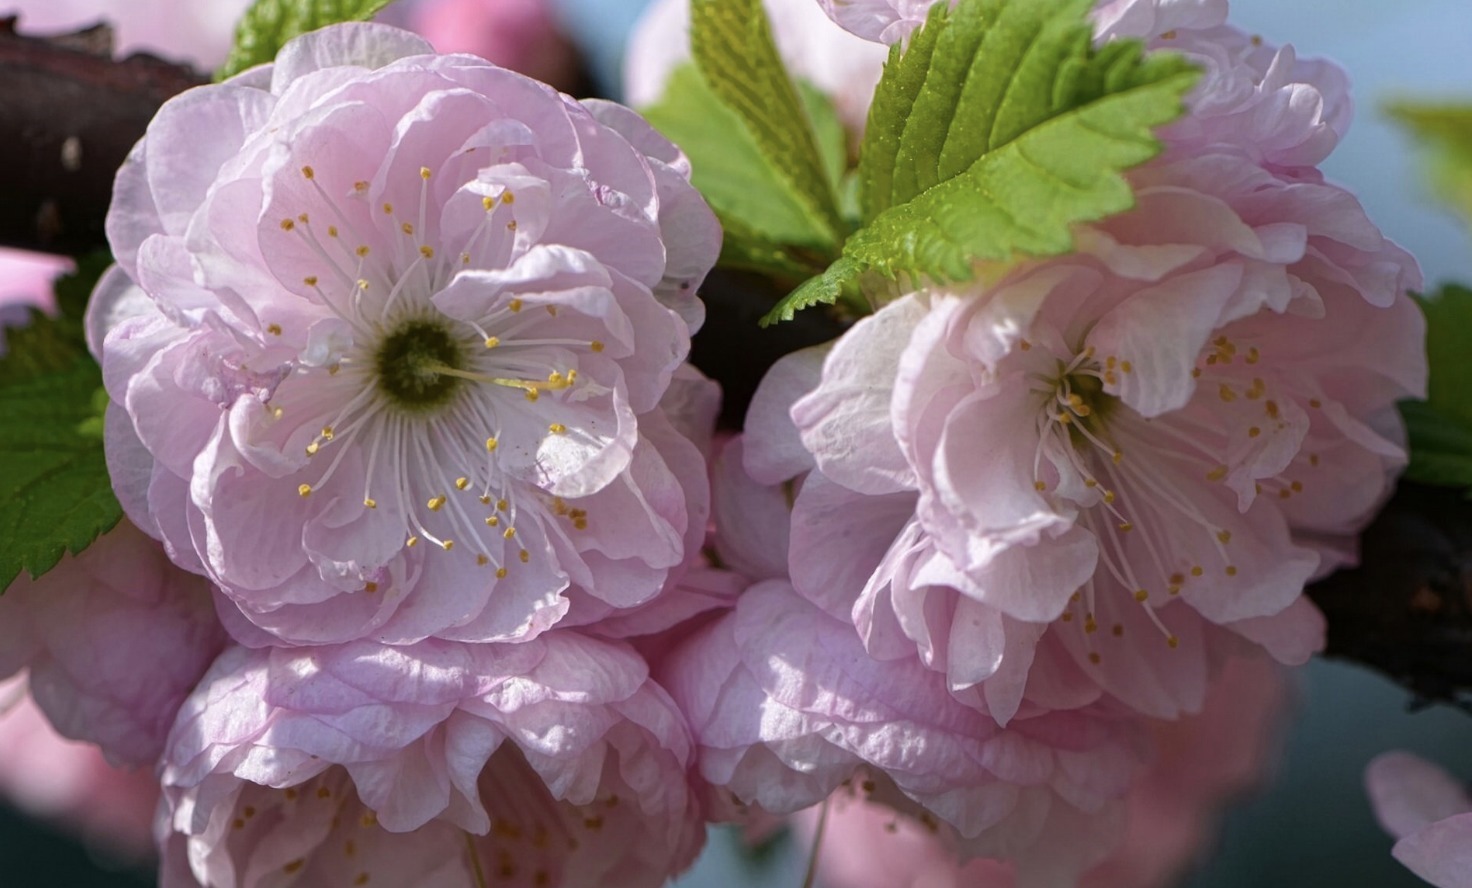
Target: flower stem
[(480, 876), (812, 874)]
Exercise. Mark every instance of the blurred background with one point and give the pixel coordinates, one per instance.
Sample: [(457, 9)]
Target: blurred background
[(1312, 826)]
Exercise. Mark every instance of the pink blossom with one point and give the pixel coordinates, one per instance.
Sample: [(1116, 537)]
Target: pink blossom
[(91, 631), (1169, 431), (842, 66), (1201, 763), (557, 761), (25, 284), (70, 783), (882, 21), (187, 30), (1428, 812), (385, 343), (786, 707), (518, 34)]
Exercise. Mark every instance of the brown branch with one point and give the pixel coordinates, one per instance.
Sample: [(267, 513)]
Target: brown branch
[(1407, 610), (70, 114)]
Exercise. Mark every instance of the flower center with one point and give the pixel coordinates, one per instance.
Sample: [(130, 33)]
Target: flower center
[(409, 366)]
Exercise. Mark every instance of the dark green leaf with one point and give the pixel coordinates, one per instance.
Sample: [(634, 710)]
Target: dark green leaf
[(55, 495)]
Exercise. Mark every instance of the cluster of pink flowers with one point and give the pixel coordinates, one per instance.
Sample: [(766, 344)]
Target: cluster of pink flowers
[(457, 586)]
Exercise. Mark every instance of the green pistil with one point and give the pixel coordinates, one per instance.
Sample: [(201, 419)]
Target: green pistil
[(409, 362)]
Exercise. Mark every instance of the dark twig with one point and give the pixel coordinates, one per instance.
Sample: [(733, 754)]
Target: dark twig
[(69, 114)]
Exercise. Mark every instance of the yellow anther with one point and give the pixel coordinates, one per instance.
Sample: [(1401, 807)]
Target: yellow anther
[(363, 284), (488, 202), (514, 305), (1094, 657), (362, 250), (1225, 536), (407, 228), (1067, 617), (1197, 571), (1090, 483), (524, 555), (1118, 457), (370, 587), (485, 498), (511, 226), (461, 483), (557, 428), (500, 573), (532, 394), (288, 224), (1253, 432), (436, 503), (308, 172), (492, 341), (1253, 355), (1090, 626), (447, 545), (276, 412), (360, 186), (412, 542), (1109, 497), (482, 560), (580, 523), (552, 310), (509, 533), (1126, 527), (1313, 460), (312, 449), (427, 251), (1272, 409), (1024, 345), (1126, 366), (1217, 473), (493, 521), (1172, 641), (502, 505), (1141, 595), (1195, 372), (273, 329), (596, 346), (1231, 571), (1226, 393), (1315, 403), (424, 172), (388, 209), (310, 280), (491, 445), (332, 231), (304, 490), (327, 432), (508, 198), (1118, 630), (554, 379), (1039, 485), (370, 502), (1297, 486)]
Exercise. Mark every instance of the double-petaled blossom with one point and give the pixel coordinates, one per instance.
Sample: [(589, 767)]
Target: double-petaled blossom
[(1104, 471), (114, 639), (555, 762), (1429, 812), (69, 784), (384, 336), (1202, 762)]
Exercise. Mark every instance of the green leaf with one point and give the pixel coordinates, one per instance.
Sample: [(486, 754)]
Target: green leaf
[(269, 24), (55, 494), (731, 41), (1445, 131), (997, 131), (726, 164), (1441, 426)]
